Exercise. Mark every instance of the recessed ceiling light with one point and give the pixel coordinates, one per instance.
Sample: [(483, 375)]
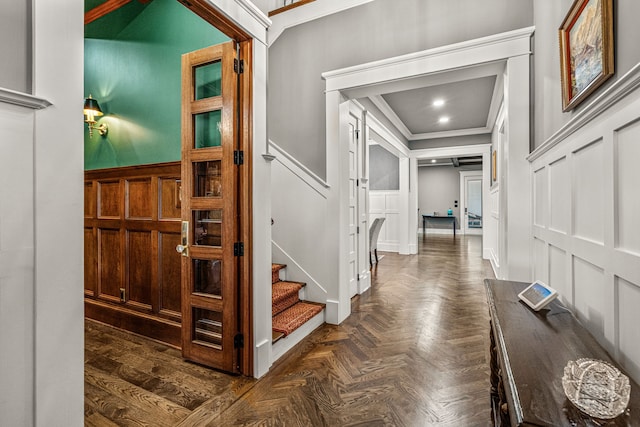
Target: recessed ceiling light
[(444, 119), (433, 160), (438, 103)]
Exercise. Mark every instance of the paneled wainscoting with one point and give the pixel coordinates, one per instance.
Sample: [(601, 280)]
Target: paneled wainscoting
[(132, 271), (586, 223)]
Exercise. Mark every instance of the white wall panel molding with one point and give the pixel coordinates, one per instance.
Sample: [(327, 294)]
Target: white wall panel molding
[(17, 264), (386, 204), (626, 179), (591, 242), (9, 96), (628, 336)]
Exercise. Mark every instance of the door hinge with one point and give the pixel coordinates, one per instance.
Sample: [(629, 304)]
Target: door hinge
[(357, 133), (238, 66), (358, 229), (238, 157), (238, 249), (357, 183), (358, 277), (238, 341)]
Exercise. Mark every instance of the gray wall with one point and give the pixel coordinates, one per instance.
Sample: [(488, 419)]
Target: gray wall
[(373, 31), (438, 189), (547, 97), (15, 45), (384, 169)]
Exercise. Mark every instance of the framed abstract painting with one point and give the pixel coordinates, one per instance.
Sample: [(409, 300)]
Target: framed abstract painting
[(586, 49)]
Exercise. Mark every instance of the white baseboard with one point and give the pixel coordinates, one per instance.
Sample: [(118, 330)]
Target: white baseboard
[(439, 231), (262, 358), (287, 343)]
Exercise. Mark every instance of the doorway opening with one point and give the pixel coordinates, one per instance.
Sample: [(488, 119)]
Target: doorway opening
[(133, 220)]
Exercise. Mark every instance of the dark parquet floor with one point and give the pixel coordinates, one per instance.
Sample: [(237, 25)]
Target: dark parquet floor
[(414, 352)]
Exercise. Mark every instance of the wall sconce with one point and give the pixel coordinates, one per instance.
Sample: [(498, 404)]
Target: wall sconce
[(91, 111)]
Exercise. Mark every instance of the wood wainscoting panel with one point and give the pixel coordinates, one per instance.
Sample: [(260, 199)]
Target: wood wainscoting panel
[(132, 270), (109, 199), (90, 261), (110, 267), (139, 269), (169, 275), (170, 198), (89, 200), (138, 204)]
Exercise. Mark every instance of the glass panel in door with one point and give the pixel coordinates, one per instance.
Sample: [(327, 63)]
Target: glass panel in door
[(474, 203)]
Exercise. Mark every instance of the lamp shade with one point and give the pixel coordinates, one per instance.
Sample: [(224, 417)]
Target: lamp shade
[(91, 107)]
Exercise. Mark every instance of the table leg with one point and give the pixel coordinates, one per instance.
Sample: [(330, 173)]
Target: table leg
[(454, 227), (423, 220)]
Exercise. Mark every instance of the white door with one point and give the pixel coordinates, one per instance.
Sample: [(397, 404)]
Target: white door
[(471, 202), (364, 279), (354, 131)]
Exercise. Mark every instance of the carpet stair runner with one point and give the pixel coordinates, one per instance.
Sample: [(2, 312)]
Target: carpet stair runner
[(287, 310)]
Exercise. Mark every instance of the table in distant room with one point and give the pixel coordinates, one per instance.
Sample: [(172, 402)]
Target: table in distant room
[(450, 218)]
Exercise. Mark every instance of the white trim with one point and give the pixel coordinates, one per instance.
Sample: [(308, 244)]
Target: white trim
[(464, 175), (239, 10), (300, 170), (450, 133), (308, 12), (486, 49), (446, 152), (496, 101), (280, 347), (254, 12), (386, 109), (290, 263), (393, 145), (614, 93), (9, 96)]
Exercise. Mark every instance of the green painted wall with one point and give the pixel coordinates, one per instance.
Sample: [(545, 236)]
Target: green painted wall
[(135, 76)]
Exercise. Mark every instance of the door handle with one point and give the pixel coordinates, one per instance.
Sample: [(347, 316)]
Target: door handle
[(183, 247)]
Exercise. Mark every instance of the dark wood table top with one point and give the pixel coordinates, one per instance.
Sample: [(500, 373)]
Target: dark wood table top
[(538, 346)]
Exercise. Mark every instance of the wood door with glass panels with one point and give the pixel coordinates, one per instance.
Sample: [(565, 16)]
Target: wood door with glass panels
[(210, 207)]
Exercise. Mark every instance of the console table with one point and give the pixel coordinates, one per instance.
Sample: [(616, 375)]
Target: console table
[(451, 218), (529, 351)]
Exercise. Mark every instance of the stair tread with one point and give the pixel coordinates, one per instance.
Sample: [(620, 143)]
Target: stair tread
[(275, 271), (276, 267), (283, 296), (295, 316), (275, 336), (302, 284)]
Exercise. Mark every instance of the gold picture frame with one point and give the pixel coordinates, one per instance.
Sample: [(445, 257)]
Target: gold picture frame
[(586, 49), (494, 167)]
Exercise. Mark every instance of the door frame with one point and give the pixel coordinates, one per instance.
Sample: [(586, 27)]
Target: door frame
[(362, 80), (465, 176)]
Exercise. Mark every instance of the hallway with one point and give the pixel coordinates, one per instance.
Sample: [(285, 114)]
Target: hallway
[(414, 352)]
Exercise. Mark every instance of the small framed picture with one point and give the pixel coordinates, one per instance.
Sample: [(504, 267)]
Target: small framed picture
[(586, 49)]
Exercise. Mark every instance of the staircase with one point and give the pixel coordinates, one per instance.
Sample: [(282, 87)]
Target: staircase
[(292, 317)]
